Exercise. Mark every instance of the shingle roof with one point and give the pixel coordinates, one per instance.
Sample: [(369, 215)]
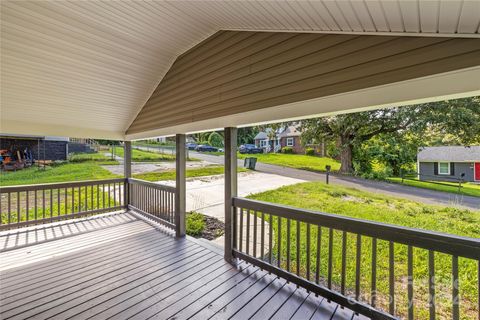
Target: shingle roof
[(290, 132), (450, 153)]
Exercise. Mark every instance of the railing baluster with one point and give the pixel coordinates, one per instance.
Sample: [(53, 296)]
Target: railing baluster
[(109, 196), (65, 191), (255, 233), (73, 200), (308, 250), (374, 273), (92, 206), (18, 207), (391, 278), (431, 283), (288, 245), (319, 251), (9, 208), (98, 197), (79, 199), (240, 239), (298, 248), (455, 283), (103, 195), (43, 202), (262, 247), (410, 281), (27, 204), (358, 266), (270, 238), (58, 202), (247, 228), (51, 204), (330, 255), (344, 261), (279, 241), (36, 205)]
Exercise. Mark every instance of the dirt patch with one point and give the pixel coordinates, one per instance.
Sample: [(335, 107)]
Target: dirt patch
[(214, 228)]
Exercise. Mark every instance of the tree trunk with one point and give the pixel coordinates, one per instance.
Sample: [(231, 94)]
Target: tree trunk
[(346, 156)]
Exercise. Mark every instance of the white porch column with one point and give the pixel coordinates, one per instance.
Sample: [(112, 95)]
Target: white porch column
[(230, 189), (180, 189)]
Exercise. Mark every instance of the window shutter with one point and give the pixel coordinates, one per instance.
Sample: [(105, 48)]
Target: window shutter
[(452, 168), (435, 168)]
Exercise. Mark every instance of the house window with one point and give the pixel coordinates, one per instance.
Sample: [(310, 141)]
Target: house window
[(289, 142), (444, 168), (263, 143)]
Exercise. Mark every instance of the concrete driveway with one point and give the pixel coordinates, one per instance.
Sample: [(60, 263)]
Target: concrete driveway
[(205, 194)]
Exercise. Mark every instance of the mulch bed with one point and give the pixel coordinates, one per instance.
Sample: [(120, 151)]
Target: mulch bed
[(214, 228)]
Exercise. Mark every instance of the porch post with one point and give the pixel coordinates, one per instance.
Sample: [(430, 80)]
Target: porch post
[(180, 190), (127, 159), (230, 189), (127, 169)]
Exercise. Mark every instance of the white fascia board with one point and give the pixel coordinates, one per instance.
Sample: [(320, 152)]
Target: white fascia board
[(450, 85), (32, 128)]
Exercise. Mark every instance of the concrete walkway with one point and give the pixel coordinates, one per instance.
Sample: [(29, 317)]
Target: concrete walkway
[(392, 189), (205, 195)]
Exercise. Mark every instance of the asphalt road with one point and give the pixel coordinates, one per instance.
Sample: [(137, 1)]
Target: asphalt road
[(397, 190)]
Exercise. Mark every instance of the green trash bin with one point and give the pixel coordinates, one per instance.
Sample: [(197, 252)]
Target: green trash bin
[(250, 163)]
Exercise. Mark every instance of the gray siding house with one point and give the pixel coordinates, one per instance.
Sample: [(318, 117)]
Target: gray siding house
[(449, 163)]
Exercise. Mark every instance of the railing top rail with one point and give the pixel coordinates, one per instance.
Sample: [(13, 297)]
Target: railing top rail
[(58, 185), (152, 184), (431, 240)]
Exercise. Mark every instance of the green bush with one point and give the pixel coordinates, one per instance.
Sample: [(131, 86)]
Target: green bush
[(215, 140), (195, 224), (287, 150), (310, 151)]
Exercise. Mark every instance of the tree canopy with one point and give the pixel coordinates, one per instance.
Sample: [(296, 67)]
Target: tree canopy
[(393, 135)]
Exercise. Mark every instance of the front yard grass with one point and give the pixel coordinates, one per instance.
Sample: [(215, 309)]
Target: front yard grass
[(64, 172), (99, 157), (358, 204), (298, 161), (469, 189), (191, 173), (145, 156)]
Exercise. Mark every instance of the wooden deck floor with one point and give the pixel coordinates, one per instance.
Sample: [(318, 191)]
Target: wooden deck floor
[(119, 267)]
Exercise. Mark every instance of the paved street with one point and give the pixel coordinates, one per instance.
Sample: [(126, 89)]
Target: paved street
[(392, 189)]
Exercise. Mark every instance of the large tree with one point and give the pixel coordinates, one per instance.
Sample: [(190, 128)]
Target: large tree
[(460, 118)]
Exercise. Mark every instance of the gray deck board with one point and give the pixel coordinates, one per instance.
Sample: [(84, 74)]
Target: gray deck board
[(118, 267)]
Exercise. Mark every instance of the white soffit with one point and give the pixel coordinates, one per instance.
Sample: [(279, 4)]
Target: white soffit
[(85, 68)]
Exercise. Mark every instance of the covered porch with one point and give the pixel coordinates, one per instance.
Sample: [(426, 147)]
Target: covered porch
[(117, 248)]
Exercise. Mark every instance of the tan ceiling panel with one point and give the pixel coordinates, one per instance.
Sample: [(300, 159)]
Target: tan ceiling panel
[(245, 71)]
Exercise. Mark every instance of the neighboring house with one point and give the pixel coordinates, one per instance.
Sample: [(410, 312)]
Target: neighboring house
[(445, 163), (290, 137), (285, 137), (41, 147)]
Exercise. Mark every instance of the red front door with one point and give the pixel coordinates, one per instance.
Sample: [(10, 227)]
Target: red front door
[(477, 171)]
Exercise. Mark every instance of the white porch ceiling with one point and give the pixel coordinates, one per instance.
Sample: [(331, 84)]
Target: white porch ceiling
[(85, 68)]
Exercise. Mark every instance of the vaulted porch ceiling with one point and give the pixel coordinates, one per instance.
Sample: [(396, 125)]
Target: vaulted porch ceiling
[(78, 68)]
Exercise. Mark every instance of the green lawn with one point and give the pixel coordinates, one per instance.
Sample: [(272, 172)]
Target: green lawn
[(170, 174), (469, 189), (148, 156), (99, 157), (56, 173), (354, 203), (298, 161), (145, 156)]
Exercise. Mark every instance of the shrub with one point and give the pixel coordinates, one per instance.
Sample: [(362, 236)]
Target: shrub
[(215, 140), (288, 150), (195, 224), (310, 151)]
